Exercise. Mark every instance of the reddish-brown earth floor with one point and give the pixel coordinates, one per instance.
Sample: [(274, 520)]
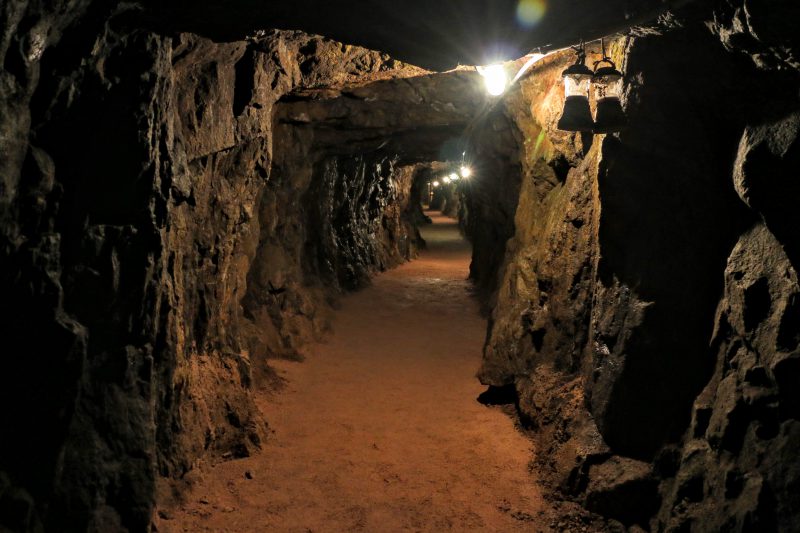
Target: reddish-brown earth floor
[(379, 428)]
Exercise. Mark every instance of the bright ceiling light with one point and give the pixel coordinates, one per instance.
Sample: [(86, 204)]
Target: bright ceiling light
[(495, 79), (466, 172)]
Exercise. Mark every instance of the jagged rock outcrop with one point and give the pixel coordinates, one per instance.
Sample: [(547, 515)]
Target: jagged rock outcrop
[(489, 201), (648, 367), (134, 171), (737, 468), (355, 219), (604, 300), (173, 211), (341, 203), (765, 32)]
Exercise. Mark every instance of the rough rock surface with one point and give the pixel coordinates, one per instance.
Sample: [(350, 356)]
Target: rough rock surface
[(342, 202), (603, 292), (545, 202), (738, 468), (647, 366), (134, 169), (357, 220), (173, 211)]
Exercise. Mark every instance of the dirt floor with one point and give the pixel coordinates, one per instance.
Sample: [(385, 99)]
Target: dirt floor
[(379, 428)]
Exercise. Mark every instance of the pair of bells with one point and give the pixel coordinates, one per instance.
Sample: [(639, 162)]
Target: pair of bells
[(606, 82)]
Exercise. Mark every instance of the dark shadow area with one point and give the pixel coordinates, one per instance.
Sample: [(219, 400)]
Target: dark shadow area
[(436, 35), (666, 230), (505, 395)]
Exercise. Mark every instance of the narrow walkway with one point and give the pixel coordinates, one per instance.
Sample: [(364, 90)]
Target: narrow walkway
[(379, 430)]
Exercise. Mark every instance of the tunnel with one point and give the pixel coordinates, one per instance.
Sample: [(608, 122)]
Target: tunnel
[(359, 266)]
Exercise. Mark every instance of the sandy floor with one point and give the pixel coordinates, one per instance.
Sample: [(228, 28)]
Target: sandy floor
[(378, 430)]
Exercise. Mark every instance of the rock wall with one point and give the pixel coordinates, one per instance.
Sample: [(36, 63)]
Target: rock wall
[(173, 211), (133, 167), (342, 202), (489, 200), (326, 225), (539, 191), (650, 370), (737, 468)]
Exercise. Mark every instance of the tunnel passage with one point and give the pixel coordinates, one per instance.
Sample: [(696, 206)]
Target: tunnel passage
[(173, 210), (343, 197)]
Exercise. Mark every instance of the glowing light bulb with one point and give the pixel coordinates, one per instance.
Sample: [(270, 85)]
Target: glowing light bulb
[(446, 179), (435, 183), (495, 79), (453, 177), (466, 172)]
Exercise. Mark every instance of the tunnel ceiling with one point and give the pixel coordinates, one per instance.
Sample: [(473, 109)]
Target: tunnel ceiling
[(433, 34), (417, 119)]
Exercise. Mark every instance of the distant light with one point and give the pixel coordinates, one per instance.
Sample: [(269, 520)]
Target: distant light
[(453, 177), (435, 183), (495, 79), (466, 172), (446, 179)]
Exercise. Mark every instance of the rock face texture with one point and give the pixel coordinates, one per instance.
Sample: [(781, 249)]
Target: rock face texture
[(737, 469), (651, 371), (344, 197), (172, 211)]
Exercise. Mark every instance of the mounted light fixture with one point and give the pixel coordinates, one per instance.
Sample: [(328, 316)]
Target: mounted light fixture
[(577, 116), (607, 85), (446, 179), (435, 184), (453, 177), (466, 172), (495, 79)]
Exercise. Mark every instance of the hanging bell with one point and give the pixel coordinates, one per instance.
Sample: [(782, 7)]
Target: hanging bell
[(576, 115), (607, 84)]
